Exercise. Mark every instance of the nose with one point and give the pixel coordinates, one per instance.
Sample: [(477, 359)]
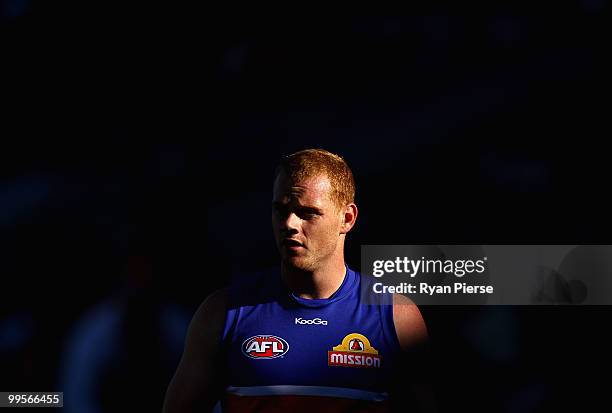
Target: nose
[(291, 223)]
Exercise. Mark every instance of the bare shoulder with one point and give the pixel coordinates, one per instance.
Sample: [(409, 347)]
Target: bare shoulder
[(195, 384), (213, 303), (409, 324), (211, 313)]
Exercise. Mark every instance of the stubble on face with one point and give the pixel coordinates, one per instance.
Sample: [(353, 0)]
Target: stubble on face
[(313, 222)]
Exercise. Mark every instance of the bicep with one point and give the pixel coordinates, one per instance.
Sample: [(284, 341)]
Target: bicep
[(415, 362), (409, 324), (195, 384)]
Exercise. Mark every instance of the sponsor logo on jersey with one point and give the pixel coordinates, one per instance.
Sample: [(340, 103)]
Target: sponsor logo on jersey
[(315, 321), (354, 351), (265, 347)]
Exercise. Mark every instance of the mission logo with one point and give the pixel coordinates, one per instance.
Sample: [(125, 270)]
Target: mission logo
[(354, 351), (264, 347)]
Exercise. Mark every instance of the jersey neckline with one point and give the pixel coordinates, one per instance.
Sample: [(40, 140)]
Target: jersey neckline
[(342, 292)]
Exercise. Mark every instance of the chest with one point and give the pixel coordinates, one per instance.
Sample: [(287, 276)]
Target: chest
[(341, 346)]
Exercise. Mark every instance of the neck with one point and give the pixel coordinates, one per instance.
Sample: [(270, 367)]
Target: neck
[(318, 284)]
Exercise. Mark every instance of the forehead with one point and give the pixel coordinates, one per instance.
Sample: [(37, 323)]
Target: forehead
[(315, 191)]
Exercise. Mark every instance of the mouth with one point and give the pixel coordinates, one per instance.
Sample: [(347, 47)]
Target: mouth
[(292, 244)]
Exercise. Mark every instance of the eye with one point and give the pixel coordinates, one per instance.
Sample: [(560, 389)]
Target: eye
[(279, 209), (307, 215)]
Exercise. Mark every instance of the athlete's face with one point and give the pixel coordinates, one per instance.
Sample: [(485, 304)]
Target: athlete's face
[(308, 226)]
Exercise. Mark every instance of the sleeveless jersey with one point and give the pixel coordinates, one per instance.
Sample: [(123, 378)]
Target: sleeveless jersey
[(284, 353)]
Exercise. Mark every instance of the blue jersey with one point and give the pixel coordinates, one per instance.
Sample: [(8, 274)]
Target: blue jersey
[(285, 353)]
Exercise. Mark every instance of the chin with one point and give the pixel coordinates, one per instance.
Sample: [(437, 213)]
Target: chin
[(299, 263)]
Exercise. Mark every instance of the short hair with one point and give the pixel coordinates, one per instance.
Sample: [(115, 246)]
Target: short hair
[(310, 163)]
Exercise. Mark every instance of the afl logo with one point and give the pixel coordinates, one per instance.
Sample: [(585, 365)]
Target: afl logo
[(264, 347)]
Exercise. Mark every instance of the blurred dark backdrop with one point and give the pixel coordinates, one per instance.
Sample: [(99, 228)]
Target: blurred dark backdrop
[(138, 145)]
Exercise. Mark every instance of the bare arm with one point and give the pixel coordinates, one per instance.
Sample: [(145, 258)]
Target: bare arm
[(414, 370), (195, 385)]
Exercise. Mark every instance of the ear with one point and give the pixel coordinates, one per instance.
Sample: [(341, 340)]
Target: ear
[(349, 217)]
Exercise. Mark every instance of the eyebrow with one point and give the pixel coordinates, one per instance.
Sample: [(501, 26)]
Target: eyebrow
[(305, 208)]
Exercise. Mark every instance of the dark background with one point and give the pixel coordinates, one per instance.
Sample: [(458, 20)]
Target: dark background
[(138, 145)]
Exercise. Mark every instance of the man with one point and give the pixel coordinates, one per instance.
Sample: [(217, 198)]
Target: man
[(302, 340)]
